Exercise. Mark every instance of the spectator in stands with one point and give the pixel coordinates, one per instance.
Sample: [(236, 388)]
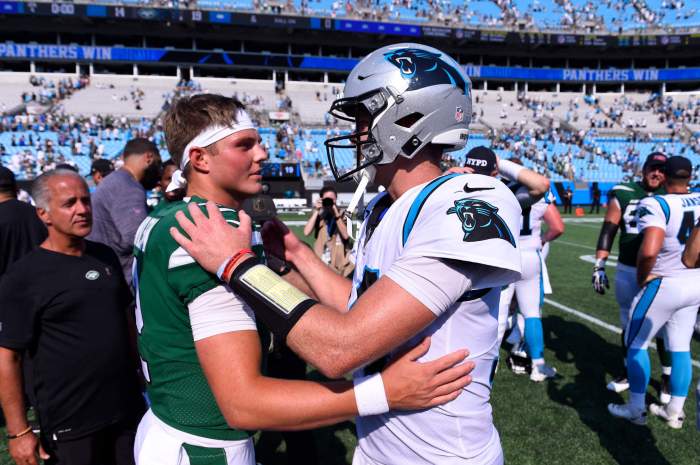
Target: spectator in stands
[(327, 225), (568, 197), (72, 325), (20, 228), (119, 203), (100, 169)]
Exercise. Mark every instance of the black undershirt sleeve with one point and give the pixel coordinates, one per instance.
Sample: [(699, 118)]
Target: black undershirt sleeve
[(607, 236)]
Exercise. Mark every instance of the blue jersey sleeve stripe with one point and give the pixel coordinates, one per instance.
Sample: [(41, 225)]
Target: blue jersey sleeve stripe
[(419, 201), (664, 207)]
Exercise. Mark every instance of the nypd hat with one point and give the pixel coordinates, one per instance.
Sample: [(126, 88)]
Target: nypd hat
[(678, 168), (481, 159), (655, 159)]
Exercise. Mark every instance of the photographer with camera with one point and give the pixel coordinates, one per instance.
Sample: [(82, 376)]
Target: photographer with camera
[(332, 238)]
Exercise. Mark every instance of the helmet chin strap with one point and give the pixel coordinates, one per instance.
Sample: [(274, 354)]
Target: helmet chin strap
[(363, 178)]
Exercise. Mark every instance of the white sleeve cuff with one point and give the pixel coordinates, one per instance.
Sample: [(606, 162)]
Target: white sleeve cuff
[(219, 311)]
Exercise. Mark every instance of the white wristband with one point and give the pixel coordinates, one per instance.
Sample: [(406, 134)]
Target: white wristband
[(509, 169), (370, 395), (222, 267), (600, 262)]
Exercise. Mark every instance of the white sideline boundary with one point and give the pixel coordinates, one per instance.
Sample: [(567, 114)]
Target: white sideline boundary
[(596, 321)]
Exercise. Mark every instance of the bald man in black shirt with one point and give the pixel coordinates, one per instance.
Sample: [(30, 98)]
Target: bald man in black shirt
[(64, 306)]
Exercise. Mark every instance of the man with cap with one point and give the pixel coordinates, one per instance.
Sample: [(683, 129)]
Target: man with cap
[(623, 200), (532, 191), (100, 169), (20, 227), (669, 295)]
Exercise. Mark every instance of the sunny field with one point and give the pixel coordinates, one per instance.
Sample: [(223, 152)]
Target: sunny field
[(563, 421)]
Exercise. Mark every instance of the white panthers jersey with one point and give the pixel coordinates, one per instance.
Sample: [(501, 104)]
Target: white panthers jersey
[(472, 221), (676, 214), (531, 220)]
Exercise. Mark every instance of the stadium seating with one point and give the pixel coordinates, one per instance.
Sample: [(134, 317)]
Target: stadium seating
[(116, 92)]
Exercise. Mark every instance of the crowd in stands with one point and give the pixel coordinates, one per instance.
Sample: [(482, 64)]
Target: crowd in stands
[(582, 15), (48, 92), (31, 144), (564, 147)]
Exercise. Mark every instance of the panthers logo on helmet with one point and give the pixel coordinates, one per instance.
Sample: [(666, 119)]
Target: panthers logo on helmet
[(422, 69), (480, 221)]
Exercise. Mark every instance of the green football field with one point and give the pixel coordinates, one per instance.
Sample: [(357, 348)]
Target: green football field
[(563, 421)]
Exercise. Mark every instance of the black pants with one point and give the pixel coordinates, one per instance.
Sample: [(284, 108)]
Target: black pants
[(595, 205), (113, 445), (567, 206)]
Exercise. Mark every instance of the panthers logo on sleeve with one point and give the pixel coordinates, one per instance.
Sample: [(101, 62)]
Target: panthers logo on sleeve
[(422, 69), (480, 221), (643, 211)]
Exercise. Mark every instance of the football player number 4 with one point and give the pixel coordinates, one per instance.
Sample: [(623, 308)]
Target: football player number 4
[(686, 226)]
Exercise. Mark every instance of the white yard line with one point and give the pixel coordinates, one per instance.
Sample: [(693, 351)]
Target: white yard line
[(574, 244), (596, 321), (583, 220)]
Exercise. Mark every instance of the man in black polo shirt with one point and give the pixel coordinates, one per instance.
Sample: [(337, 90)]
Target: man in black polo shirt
[(63, 306), (20, 228)]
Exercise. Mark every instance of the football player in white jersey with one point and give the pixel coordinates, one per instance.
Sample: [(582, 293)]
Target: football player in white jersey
[(530, 290), (669, 296), (432, 255), (528, 187)]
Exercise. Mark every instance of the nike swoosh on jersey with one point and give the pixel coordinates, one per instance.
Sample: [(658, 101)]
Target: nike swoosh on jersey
[(468, 189), (362, 78)]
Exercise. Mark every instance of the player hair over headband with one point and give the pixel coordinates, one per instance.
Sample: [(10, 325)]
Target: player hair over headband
[(200, 121), (190, 116)]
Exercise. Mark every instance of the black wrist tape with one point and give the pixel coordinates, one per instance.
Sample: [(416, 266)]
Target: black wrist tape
[(607, 236), (278, 304)]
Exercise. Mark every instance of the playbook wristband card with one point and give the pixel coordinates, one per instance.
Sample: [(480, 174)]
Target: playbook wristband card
[(276, 302)]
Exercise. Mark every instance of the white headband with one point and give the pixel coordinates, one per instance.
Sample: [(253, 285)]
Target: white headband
[(205, 138)]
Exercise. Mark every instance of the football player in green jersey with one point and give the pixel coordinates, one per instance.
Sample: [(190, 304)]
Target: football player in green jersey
[(201, 353), (622, 207)]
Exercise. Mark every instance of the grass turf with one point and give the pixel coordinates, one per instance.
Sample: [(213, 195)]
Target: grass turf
[(563, 421)]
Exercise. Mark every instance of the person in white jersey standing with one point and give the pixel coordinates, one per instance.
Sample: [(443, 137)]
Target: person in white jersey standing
[(669, 296)]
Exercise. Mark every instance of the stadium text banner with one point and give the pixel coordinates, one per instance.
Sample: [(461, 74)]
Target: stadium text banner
[(84, 53)]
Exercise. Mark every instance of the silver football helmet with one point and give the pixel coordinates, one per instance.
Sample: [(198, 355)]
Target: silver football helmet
[(401, 97)]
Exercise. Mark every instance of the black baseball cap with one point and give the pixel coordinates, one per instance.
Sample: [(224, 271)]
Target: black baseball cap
[(678, 168), (481, 159), (655, 159), (7, 179), (102, 166)]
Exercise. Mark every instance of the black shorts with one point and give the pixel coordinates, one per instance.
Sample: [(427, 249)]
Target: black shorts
[(113, 445)]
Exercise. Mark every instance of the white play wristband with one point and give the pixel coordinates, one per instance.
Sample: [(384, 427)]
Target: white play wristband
[(370, 395), (222, 267), (509, 169)]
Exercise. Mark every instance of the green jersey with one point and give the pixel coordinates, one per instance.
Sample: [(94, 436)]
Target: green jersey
[(167, 279), (628, 196)]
